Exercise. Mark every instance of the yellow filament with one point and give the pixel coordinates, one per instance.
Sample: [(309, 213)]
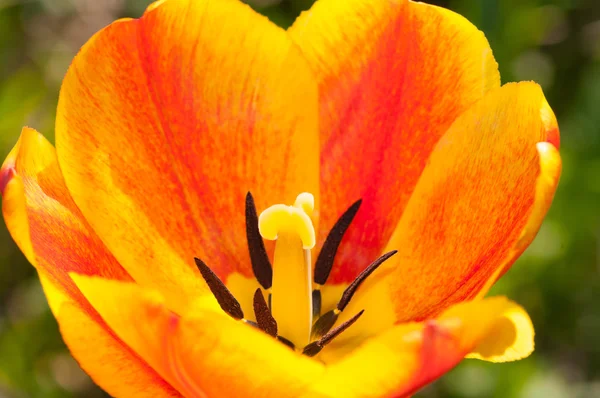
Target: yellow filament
[(291, 292)]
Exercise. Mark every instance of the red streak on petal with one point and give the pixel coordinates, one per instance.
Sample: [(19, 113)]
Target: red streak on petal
[(439, 354), (185, 383), (554, 137), (6, 174)]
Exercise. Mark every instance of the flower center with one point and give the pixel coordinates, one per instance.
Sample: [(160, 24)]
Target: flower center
[(293, 312)]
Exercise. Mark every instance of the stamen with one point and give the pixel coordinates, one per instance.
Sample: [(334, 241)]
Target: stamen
[(316, 346), (316, 301), (224, 297), (351, 289), (258, 255), (286, 342), (291, 292), (265, 320), (326, 321), (328, 251)]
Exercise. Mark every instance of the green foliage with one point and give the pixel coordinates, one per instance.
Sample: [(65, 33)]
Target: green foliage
[(554, 42)]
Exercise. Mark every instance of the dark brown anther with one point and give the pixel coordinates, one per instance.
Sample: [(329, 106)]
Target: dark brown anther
[(256, 247), (327, 320), (286, 342), (324, 324), (327, 254), (316, 346), (351, 289), (316, 303), (264, 319), (224, 297)]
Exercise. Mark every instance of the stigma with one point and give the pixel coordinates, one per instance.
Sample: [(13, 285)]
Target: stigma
[(291, 291)]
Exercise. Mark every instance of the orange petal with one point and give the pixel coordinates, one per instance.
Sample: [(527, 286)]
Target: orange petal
[(203, 353), (166, 122), (45, 223), (109, 362), (550, 169), (409, 356), (478, 204), (393, 76)]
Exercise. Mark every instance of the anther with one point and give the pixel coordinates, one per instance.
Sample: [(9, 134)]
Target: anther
[(264, 318), (315, 347), (327, 254), (353, 287), (324, 262), (286, 342), (256, 247), (327, 320), (224, 297), (316, 302), (324, 323)]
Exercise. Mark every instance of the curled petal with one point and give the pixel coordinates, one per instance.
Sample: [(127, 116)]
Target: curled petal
[(166, 122), (393, 76), (202, 353), (407, 357), (510, 339)]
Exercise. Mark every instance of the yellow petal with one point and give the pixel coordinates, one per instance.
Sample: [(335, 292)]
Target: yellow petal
[(510, 339), (110, 363), (202, 353), (402, 360)]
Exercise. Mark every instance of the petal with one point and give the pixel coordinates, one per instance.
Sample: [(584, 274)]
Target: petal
[(166, 122), (204, 353), (44, 221), (550, 169), (110, 363), (510, 339), (393, 76), (477, 206), (56, 239), (409, 356)]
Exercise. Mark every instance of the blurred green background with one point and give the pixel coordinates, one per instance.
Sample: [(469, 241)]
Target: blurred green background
[(554, 42)]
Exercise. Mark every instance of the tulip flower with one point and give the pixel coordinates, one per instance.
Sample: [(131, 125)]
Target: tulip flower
[(233, 209)]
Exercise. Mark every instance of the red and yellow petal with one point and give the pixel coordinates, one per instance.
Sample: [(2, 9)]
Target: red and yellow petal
[(56, 239), (106, 359), (393, 76), (402, 360), (45, 222), (550, 169), (166, 122), (478, 204), (203, 353)]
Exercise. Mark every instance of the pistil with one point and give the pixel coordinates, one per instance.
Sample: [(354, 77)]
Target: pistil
[(291, 291)]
